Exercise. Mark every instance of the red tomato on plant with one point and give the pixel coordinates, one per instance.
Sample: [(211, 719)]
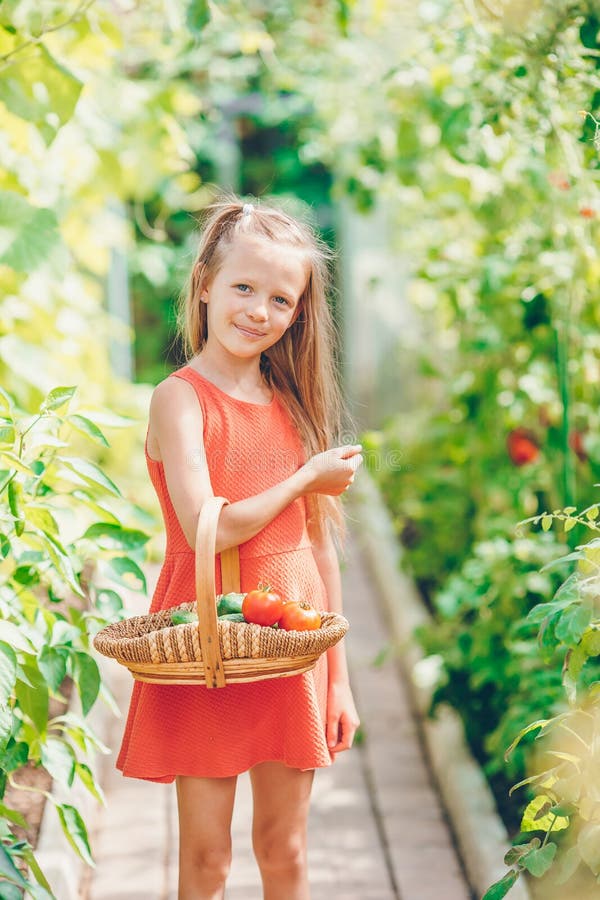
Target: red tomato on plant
[(262, 606), (576, 444), (522, 446), (299, 616)]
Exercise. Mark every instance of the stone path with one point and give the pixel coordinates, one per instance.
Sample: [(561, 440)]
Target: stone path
[(376, 831)]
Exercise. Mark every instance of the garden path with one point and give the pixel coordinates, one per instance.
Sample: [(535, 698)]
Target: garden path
[(377, 829)]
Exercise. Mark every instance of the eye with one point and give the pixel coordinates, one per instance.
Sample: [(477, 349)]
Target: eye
[(283, 301), (243, 288)]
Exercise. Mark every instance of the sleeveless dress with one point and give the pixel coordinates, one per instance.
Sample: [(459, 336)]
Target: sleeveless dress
[(217, 732)]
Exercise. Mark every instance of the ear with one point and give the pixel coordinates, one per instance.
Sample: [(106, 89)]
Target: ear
[(200, 285)]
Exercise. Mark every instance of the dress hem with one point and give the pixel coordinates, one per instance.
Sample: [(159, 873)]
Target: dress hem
[(168, 779)]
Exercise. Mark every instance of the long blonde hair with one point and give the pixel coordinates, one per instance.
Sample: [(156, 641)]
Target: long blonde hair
[(301, 366)]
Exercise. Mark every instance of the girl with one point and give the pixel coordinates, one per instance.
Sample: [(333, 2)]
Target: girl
[(251, 417)]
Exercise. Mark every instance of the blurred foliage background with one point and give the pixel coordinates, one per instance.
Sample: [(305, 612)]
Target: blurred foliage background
[(450, 151)]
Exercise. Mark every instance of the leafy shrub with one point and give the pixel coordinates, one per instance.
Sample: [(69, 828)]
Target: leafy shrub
[(63, 539)]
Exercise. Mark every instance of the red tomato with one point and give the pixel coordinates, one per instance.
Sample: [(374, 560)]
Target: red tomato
[(522, 446), (576, 444), (299, 616), (587, 212), (262, 606)]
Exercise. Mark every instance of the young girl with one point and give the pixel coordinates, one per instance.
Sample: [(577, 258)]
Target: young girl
[(251, 417)]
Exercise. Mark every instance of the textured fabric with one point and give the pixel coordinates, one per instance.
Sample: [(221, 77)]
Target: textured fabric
[(193, 730)]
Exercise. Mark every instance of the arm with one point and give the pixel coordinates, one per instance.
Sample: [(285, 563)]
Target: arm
[(176, 424), (342, 717)]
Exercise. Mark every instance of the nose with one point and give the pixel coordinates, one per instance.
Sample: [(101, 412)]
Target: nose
[(258, 310)]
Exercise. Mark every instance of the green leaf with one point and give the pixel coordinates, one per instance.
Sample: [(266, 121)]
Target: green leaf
[(110, 537), (530, 821), (5, 726), (531, 727), (570, 557), (13, 816), (8, 672), (10, 891), (87, 676), (53, 666), (574, 662), (59, 558), (75, 831), (127, 572), (501, 888), (91, 473), (573, 623), (28, 234), (33, 698), (44, 892), (15, 755), (7, 434), (57, 397), (59, 761), (8, 869), (546, 522), (539, 861), (41, 517), (198, 15), (570, 523), (568, 865), (588, 842), (591, 642), (86, 426), (19, 92), (87, 778), (592, 512), (108, 603)]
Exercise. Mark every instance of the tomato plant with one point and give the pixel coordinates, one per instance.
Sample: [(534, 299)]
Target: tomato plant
[(263, 606), (299, 616)]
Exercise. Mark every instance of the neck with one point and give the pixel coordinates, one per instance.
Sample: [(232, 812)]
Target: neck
[(229, 372)]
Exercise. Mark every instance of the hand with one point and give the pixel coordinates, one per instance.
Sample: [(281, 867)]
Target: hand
[(342, 717), (332, 471)]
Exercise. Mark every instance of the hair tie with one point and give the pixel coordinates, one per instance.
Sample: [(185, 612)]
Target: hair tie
[(247, 210)]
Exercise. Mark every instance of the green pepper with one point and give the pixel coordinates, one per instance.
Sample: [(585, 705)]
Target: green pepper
[(229, 603)]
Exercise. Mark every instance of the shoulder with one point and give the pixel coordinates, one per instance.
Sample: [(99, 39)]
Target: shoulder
[(174, 397)]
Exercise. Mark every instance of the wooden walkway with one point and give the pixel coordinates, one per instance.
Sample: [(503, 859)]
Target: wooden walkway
[(377, 830)]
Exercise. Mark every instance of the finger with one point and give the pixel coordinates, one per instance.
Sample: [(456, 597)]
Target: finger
[(350, 451), (347, 731), (355, 462), (333, 727)]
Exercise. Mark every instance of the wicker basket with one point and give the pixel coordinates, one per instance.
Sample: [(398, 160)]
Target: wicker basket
[(213, 652)]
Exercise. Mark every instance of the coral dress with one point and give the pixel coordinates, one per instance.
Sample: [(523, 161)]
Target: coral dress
[(215, 732)]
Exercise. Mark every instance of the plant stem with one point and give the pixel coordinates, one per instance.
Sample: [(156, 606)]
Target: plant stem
[(562, 332)]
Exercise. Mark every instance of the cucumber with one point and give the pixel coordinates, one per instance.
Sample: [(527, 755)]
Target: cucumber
[(232, 617), (183, 617), (229, 603)]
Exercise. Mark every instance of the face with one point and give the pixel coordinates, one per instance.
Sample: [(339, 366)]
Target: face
[(254, 297)]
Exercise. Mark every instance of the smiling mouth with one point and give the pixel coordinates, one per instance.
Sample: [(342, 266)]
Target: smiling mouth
[(250, 332)]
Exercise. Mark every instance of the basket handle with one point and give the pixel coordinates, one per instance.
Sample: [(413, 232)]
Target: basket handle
[(206, 537)]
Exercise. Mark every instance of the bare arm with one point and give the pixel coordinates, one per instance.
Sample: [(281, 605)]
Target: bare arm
[(176, 424), (342, 715), (327, 562)]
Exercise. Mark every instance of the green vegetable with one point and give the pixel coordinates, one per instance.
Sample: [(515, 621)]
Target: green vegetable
[(229, 603), (232, 617), (183, 617)]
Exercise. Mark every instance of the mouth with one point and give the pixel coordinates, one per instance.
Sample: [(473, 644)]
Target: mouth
[(250, 331)]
